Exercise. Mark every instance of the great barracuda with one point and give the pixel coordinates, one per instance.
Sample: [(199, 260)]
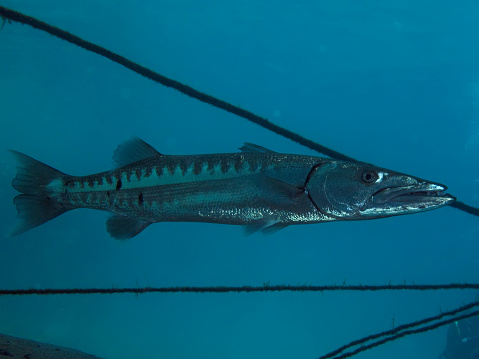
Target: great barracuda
[(258, 188)]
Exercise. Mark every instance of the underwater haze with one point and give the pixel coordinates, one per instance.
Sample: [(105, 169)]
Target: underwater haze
[(394, 83)]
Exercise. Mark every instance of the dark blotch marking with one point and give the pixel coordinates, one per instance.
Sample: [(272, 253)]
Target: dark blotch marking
[(171, 168), (100, 180), (138, 174), (198, 167), (82, 184), (225, 165), (253, 164), (91, 182), (148, 171), (140, 199), (109, 179), (67, 184), (184, 166), (128, 175), (264, 163), (238, 163), (212, 162), (159, 171), (108, 194), (118, 184)]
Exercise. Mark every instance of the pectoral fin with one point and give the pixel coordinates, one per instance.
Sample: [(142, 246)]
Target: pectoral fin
[(282, 191)]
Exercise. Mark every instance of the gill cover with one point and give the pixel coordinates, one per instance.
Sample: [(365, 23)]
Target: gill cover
[(346, 190)]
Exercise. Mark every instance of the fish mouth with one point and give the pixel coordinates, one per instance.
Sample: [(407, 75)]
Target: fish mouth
[(422, 194)]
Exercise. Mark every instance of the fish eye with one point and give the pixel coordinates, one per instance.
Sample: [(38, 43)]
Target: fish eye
[(369, 177)]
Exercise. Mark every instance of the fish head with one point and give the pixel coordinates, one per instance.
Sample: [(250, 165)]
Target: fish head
[(353, 191)]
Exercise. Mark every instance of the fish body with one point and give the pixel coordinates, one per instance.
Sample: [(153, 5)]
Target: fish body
[(258, 188)]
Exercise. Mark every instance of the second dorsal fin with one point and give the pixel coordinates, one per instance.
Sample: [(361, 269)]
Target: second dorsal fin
[(132, 151), (251, 147)]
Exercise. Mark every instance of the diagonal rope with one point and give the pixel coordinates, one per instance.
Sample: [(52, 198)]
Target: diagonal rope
[(18, 17), (187, 90), (405, 333), (402, 331)]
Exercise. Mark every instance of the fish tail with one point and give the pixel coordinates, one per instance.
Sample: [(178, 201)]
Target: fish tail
[(39, 201)]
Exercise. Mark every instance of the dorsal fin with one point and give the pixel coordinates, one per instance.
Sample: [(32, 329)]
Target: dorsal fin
[(251, 147), (132, 151)]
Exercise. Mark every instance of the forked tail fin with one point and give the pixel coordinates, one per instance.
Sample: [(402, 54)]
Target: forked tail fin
[(39, 203)]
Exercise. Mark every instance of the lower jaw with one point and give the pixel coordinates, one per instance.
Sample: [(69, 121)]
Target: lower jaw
[(424, 200)]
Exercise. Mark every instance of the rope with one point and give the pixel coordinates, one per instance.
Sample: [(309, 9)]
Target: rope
[(242, 289), (189, 91), (402, 331), (465, 208), (390, 335), (403, 334)]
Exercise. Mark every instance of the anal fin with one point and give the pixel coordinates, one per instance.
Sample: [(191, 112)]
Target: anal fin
[(124, 227)]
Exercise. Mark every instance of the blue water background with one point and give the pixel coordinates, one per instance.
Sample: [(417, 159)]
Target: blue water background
[(395, 83)]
